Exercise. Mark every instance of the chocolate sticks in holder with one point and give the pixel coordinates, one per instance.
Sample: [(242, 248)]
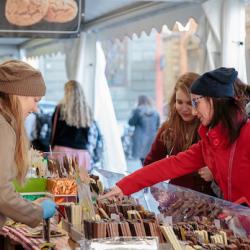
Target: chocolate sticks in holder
[(72, 213), (60, 165)]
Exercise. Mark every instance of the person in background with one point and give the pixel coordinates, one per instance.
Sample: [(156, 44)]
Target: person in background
[(224, 145), (40, 136), (242, 91), (95, 146), (146, 121), (21, 88), (178, 133), (70, 124), (248, 109)]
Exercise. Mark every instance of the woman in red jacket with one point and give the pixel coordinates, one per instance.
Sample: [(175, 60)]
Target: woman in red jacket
[(224, 145), (178, 133)]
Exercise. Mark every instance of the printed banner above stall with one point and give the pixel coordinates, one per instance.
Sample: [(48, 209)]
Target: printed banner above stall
[(40, 18)]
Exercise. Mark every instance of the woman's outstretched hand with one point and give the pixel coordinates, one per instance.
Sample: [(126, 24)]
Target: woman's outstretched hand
[(113, 193), (206, 174)]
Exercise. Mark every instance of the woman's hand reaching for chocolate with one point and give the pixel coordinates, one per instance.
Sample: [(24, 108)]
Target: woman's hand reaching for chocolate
[(115, 192)]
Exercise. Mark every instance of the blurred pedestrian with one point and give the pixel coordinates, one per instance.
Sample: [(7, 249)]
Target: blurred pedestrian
[(146, 121), (71, 122)]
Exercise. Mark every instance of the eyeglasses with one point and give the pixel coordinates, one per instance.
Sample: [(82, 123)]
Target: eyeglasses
[(195, 101)]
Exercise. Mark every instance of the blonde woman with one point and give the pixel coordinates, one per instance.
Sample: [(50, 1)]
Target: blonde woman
[(21, 88), (71, 122)]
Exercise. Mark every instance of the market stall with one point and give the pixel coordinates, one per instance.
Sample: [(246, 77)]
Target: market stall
[(118, 19), (162, 217), (177, 217), (50, 176)]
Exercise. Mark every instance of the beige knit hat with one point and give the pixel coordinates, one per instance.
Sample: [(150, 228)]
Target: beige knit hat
[(19, 78)]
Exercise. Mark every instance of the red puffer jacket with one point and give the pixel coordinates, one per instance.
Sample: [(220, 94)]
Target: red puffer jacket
[(230, 165)]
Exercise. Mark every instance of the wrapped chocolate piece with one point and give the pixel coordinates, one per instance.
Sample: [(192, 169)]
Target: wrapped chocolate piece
[(113, 229), (137, 228), (124, 229), (112, 209), (95, 229), (96, 185), (152, 228)]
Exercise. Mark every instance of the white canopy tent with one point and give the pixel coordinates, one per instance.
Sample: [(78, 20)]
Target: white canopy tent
[(221, 47), (88, 67), (145, 18), (115, 19), (221, 26), (222, 32)]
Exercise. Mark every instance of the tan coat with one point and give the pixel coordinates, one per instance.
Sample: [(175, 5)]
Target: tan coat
[(11, 204)]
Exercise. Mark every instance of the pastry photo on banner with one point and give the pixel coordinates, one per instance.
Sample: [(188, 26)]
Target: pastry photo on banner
[(41, 18)]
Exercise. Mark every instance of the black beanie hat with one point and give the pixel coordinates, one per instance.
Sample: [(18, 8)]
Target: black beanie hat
[(216, 83)]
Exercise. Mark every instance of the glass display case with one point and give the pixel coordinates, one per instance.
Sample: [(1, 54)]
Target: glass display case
[(179, 204), (180, 218), (119, 243), (108, 178), (173, 204)]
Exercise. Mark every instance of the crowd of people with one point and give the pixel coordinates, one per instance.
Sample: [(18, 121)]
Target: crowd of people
[(178, 133), (220, 152), (203, 144)]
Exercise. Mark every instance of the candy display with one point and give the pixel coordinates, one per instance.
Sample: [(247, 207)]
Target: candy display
[(62, 186), (183, 205), (184, 219), (177, 217), (59, 170)]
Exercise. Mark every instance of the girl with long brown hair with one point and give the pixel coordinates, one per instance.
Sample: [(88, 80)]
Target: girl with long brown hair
[(21, 88), (178, 133)]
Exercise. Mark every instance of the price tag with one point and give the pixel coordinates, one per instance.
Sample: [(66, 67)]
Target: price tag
[(115, 217), (168, 220), (217, 224), (160, 218)]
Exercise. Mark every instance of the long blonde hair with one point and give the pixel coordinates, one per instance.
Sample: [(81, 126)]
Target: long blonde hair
[(10, 108), (74, 108), (177, 132)]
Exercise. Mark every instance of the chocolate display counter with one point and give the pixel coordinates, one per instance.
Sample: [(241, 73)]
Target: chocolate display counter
[(163, 216), (179, 218)]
